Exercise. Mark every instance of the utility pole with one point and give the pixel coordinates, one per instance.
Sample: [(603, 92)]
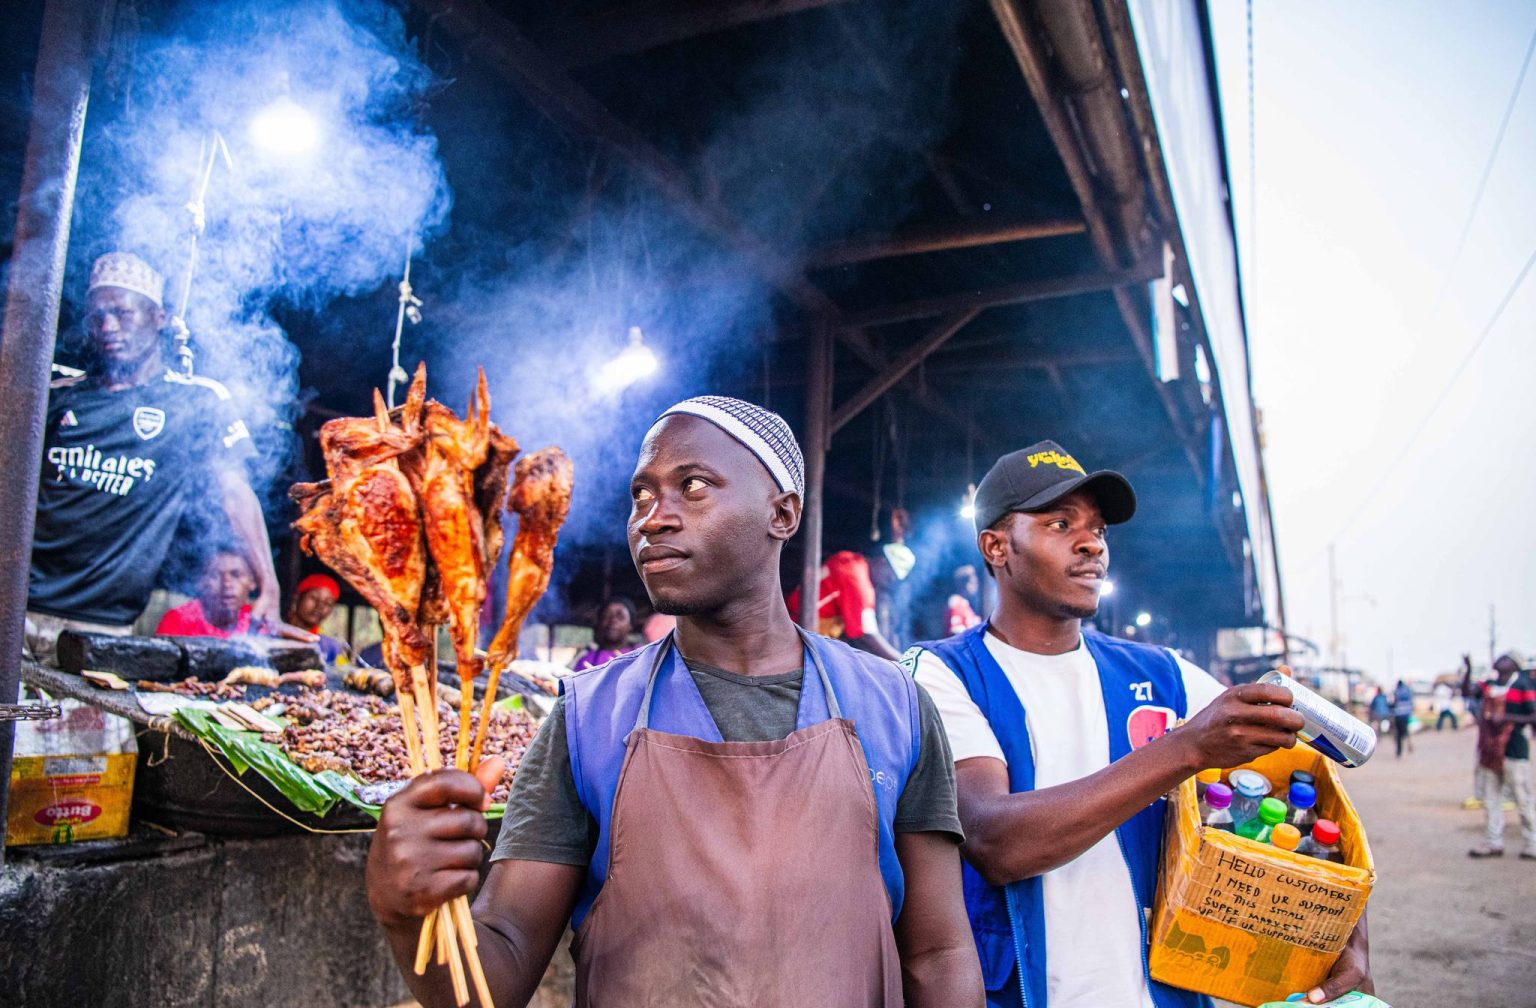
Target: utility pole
[(1493, 635)]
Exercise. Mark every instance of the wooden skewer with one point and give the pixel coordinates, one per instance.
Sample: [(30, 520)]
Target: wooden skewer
[(442, 936), (408, 727), (472, 951), (492, 678), (466, 718), (425, 941), (455, 964)]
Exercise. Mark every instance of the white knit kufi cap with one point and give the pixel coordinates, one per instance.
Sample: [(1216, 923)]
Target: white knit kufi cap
[(762, 432), (128, 271)]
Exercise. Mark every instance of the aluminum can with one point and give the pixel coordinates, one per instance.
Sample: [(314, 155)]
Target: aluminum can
[(1329, 729)]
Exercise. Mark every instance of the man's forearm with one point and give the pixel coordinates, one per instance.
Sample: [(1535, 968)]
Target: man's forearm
[(513, 969), (1021, 835), (244, 513), (937, 978)]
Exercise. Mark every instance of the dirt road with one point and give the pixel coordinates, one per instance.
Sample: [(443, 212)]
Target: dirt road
[(1445, 929)]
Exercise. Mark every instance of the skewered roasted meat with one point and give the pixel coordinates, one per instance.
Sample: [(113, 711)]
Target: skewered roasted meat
[(541, 496), (195, 687), (367, 526)]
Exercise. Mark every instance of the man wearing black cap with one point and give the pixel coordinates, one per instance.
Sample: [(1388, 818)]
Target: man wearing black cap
[(1063, 754)]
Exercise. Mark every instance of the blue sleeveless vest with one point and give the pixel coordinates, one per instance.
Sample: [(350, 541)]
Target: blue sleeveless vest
[(602, 705), (1143, 694)]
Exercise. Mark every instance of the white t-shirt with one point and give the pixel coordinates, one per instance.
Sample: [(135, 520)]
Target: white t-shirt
[(1092, 936)]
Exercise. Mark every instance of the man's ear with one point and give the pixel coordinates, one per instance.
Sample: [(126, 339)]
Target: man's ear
[(993, 543), (785, 520)]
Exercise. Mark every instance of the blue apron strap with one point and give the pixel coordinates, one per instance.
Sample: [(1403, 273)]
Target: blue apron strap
[(834, 710), (643, 718)]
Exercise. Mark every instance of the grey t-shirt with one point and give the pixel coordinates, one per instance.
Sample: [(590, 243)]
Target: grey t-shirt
[(546, 821)]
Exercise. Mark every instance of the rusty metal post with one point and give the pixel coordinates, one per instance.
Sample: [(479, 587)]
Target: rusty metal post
[(818, 420), (61, 91)]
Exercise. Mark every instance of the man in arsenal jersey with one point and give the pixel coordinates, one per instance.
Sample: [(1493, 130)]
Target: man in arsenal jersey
[(128, 445)]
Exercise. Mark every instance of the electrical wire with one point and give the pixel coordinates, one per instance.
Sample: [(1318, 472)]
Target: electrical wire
[(1445, 391), (1482, 182)]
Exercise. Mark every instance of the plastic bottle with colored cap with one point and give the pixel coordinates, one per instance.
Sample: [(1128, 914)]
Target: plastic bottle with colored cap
[(1285, 836), (1303, 812), (1203, 780), (1248, 788), (1271, 814), (1323, 844), (1216, 808)]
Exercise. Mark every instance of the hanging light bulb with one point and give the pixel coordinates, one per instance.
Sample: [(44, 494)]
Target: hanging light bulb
[(635, 362), (285, 128), (968, 509)]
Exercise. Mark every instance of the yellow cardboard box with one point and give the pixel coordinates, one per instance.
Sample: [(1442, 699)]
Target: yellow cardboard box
[(1250, 922), (58, 799)]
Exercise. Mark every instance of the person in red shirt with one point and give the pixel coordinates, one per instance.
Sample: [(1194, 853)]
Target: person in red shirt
[(846, 605), (959, 615), (222, 607)]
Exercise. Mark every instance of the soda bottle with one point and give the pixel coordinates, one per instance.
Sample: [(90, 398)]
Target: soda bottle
[(1323, 844), (1285, 836), (1328, 728), (1215, 809), (1303, 799), (1297, 777), (1248, 788), (1261, 826), (1203, 780)]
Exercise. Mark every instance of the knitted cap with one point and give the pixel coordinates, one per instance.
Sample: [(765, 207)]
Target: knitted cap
[(128, 271), (762, 432)]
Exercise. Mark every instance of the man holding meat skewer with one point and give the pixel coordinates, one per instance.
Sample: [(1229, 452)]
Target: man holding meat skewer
[(740, 814)]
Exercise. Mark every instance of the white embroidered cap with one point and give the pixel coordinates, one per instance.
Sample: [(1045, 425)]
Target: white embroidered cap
[(128, 271), (762, 432)]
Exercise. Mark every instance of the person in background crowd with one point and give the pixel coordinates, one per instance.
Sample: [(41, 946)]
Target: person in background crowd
[(742, 814), (610, 634), (1381, 711), (1402, 713), (127, 445), (657, 625), (1471, 689), (222, 607), (314, 598), (1504, 754), (959, 615), (846, 605), (1063, 750), (1444, 700)]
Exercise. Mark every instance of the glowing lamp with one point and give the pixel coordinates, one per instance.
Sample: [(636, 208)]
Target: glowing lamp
[(1107, 588), (285, 128), (968, 509), (635, 362), (1143, 618)]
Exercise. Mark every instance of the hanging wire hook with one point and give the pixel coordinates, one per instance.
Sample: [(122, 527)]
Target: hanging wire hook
[(410, 308)]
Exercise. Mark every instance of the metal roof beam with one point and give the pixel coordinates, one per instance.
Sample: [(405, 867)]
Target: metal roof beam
[(651, 24), (899, 368), (991, 297), (959, 234)]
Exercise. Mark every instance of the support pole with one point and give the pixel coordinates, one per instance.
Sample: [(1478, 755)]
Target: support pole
[(818, 415), (61, 90)]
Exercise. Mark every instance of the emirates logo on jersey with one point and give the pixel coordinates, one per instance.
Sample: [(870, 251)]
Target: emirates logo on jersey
[(148, 422)]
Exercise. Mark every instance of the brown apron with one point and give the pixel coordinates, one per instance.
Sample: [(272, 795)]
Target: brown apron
[(741, 875)]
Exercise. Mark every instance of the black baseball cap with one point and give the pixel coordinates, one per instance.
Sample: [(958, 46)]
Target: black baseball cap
[(1034, 478)]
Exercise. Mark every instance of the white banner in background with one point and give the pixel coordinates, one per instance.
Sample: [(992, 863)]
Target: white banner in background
[(1173, 57)]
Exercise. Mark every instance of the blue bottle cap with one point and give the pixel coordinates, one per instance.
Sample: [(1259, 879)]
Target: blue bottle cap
[(1303, 796)]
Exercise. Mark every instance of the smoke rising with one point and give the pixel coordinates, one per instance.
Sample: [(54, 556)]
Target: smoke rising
[(281, 229), (801, 135)]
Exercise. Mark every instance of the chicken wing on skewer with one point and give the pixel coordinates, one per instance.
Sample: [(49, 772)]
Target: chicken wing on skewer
[(445, 484), (541, 496)]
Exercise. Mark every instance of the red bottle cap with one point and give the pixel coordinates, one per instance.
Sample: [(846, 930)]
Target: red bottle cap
[(1325, 831)]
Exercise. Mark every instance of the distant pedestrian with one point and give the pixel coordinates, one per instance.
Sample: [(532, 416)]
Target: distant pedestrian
[(1402, 713), (1504, 754), (960, 614), (1444, 700), (1381, 711)]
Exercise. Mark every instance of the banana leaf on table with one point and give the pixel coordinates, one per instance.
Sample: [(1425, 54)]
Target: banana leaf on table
[(315, 793)]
